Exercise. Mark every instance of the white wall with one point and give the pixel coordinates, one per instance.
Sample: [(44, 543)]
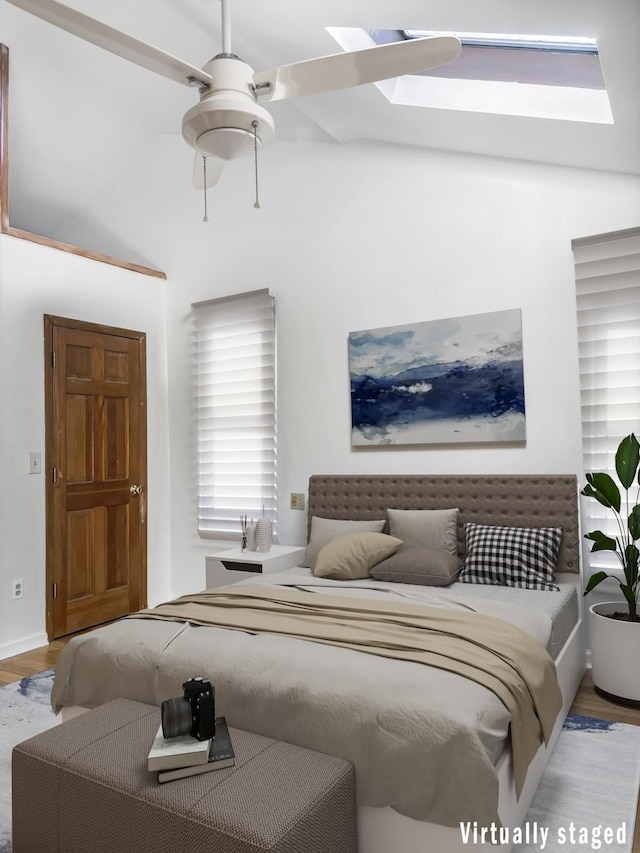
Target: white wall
[(349, 237), (35, 280), (362, 236)]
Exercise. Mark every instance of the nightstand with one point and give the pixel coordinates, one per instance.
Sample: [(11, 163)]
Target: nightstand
[(228, 566)]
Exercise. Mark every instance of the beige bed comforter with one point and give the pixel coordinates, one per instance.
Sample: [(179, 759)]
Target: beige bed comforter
[(423, 740)]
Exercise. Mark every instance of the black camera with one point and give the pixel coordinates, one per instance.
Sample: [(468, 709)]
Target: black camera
[(193, 713)]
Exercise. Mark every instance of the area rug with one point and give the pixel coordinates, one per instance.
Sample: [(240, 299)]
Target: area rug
[(588, 795), (24, 712), (586, 801)]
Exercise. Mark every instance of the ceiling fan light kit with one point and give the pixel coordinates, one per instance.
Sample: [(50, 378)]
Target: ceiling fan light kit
[(222, 124), (228, 123)]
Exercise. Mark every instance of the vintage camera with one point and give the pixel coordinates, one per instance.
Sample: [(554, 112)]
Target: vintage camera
[(193, 713)]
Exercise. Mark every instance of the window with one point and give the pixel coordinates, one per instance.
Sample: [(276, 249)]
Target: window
[(542, 76), (236, 412), (608, 303)]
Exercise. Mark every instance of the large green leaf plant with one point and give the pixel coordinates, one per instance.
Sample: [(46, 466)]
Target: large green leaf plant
[(605, 490)]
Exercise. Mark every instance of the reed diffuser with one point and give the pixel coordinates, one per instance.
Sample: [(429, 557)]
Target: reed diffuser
[(243, 527)]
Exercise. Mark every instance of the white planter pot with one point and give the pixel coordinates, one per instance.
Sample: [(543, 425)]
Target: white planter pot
[(615, 652)]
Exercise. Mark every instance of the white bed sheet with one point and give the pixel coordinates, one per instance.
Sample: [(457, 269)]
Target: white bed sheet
[(562, 607)]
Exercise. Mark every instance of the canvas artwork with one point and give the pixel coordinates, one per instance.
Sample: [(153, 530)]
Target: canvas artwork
[(441, 381)]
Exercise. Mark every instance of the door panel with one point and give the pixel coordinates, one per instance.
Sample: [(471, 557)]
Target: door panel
[(80, 537), (96, 450), (79, 430)]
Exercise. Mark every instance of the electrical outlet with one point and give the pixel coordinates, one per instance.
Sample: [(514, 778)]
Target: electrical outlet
[(17, 589), (297, 500)]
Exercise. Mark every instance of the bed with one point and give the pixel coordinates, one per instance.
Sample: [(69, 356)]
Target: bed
[(296, 690)]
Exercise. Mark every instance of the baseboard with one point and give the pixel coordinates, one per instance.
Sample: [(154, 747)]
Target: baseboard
[(25, 644)]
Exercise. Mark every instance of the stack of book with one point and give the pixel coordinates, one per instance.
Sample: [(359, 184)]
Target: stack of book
[(178, 757)]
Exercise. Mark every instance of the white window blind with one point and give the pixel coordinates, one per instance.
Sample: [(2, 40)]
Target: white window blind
[(608, 304), (236, 412)]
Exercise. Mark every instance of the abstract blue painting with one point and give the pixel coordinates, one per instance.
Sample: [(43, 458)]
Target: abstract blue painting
[(441, 381)]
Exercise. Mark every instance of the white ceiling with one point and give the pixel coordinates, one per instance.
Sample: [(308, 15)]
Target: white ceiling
[(77, 112)]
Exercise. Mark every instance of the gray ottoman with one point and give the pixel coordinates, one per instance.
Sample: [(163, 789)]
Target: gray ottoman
[(84, 787)]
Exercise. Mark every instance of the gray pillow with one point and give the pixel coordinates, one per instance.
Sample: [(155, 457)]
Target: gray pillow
[(426, 566), (324, 530), (425, 528)]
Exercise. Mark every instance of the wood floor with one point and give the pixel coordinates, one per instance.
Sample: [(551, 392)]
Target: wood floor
[(587, 701), (30, 663)]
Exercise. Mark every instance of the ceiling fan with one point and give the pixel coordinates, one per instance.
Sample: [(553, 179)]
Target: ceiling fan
[(229, 122)]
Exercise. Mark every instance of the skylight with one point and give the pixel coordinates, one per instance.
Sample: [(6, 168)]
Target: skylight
[(553, 77)]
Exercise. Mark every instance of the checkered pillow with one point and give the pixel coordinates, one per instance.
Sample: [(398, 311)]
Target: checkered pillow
[(511, 556)]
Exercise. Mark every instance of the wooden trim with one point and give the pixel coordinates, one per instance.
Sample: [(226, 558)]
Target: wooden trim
[(144, 497), (5, 227), (49, 454), (97, 328), (4, 137), (85, 253)]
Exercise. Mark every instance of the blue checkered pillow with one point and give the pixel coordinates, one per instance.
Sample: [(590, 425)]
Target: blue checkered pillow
[(511, 556)]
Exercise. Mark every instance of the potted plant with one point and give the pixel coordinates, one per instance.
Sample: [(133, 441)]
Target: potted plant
[(615, 625)]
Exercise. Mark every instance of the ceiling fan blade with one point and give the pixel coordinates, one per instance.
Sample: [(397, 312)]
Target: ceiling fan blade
[(115, 41), (342, 70), (214, 169)]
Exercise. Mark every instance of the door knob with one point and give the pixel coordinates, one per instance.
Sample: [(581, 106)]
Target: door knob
[(135, 490)]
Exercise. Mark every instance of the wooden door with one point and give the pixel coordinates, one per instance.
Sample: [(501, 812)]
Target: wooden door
[(96, 474)]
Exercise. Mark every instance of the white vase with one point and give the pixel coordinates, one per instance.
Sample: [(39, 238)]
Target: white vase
[(252, 545), (264, 534), (615, 652)]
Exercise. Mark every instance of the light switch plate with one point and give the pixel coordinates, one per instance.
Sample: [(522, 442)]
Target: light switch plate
[(297, 500)]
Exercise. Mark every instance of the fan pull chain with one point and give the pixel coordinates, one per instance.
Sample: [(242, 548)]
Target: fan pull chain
[(205, 218), (254, 125)]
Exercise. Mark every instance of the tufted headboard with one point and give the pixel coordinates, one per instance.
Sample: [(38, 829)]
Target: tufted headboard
[(513, 500)]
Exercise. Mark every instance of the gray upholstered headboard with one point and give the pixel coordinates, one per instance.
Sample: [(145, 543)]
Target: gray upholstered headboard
[(513, 500)]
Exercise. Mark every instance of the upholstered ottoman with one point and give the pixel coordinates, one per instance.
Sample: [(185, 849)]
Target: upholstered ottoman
[(84, 787)]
